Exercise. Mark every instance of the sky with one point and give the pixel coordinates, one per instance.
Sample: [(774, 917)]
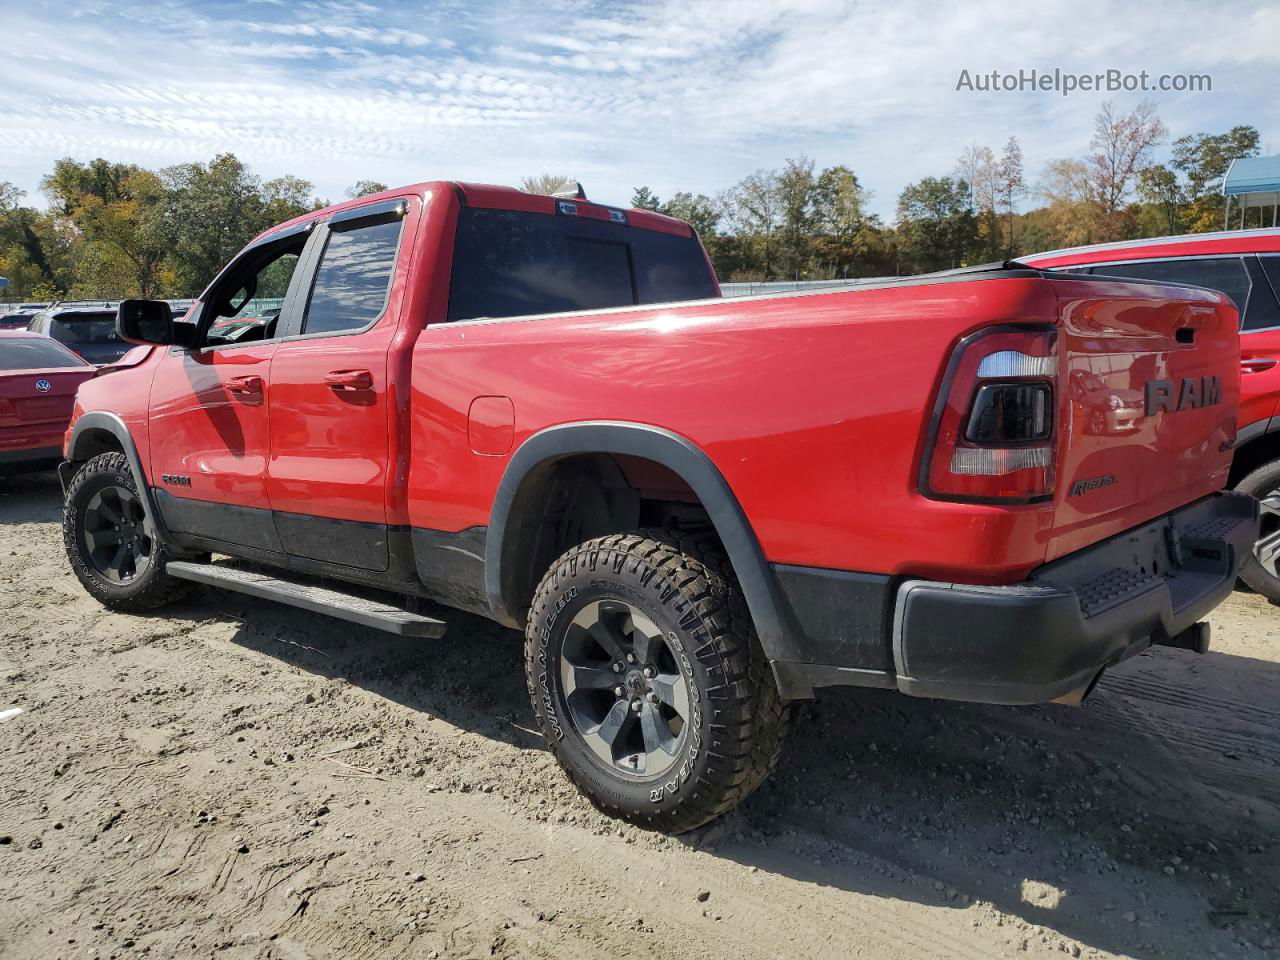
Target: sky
[(673, 94)]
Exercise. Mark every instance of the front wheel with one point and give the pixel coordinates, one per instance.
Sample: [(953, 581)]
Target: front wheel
[(108, 541), (648, 681)]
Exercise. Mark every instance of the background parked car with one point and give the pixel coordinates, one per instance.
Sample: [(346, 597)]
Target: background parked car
[(13, 319), (1245, 265), (87, 328), (38, 382)]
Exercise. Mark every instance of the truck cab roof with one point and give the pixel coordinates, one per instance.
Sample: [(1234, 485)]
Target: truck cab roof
[(498, 197)]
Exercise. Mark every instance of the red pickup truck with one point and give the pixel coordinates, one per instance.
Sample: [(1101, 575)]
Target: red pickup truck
[(538, 409)]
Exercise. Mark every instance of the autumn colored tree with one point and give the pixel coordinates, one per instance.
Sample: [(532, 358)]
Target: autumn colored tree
[(119, 210), (548, 184), (1011, 185), (1122, 145)]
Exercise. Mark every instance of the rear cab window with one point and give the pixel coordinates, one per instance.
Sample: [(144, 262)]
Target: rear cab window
[(510, 264), (36, 353)]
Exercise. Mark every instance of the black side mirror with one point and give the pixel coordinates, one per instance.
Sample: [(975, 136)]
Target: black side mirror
[(149, 321)]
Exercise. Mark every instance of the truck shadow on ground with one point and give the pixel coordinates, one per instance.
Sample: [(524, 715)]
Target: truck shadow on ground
[(30, 497), (1145, 817)]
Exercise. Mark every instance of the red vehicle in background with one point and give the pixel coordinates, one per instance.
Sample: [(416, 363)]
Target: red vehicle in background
[(38, 382), (1245, 265)]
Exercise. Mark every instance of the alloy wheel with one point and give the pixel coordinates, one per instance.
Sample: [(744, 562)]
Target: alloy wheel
[(626, 694), (115, 535)]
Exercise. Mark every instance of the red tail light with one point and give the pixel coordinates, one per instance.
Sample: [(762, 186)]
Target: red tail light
[(993, 433)]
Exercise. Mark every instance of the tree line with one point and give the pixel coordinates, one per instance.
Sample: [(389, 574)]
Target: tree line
[(798, 222), (114, 229)]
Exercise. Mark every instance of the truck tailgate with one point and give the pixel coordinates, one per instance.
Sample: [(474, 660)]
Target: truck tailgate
[(1150, 383)]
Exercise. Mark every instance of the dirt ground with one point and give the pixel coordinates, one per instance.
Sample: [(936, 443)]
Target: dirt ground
[(236, 779)]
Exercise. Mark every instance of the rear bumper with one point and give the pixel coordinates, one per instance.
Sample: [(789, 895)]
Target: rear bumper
[(1052, 635)]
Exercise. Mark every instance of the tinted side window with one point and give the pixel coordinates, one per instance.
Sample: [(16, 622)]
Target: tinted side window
[(508, 264), (1271, 267), (1224, 274), (1263, 312), (353, 279)]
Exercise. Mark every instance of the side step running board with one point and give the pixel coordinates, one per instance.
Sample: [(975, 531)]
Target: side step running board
[(344, 606)]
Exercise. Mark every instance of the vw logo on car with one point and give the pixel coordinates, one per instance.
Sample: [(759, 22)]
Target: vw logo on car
[(43, 385)]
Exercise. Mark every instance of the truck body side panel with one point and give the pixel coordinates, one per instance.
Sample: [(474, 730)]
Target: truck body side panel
[(822, 456)]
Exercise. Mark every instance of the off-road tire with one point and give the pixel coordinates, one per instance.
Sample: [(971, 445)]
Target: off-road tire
[(151, 588), (684, 585), (1263, 483)]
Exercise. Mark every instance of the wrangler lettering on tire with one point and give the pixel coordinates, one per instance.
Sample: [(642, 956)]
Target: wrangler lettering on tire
[(647, 679)]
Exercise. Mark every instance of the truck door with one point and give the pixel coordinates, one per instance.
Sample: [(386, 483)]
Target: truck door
[(331, 412), (1260, 344), (209, 405)]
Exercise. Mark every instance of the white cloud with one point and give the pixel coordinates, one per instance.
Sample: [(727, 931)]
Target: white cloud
[(677, 94)]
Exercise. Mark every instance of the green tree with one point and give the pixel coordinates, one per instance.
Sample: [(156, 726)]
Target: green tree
[(936, 224), (754, 211), (34, 252), (697, 210), (363, 188), (215, 209), (1162, 196), (1203, 159), (848, 237), (287, 197), (642, 198), (795, 184)]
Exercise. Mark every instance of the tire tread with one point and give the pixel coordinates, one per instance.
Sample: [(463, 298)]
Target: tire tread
[(749, 719), (160, 588)]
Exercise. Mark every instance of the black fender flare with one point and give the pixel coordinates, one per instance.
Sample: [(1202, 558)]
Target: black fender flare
[(112, 424), (684, 458)]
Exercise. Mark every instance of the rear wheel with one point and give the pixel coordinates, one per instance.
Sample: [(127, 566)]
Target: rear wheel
[(648, 682), (110, 546), (1261, 569)]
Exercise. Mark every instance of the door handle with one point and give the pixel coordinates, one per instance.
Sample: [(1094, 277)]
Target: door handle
[(248, 386), (343, 380), (1257, 364)]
